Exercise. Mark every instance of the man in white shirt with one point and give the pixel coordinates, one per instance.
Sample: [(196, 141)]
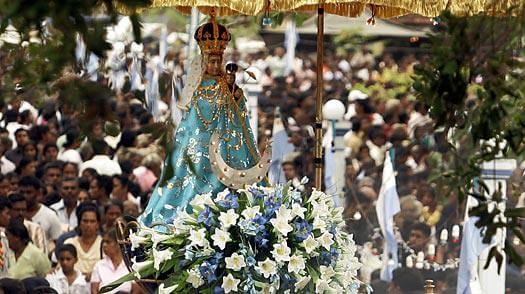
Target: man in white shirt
[(6, 165), (59, 279), (101, 161), (18, 211), (65, 208), (31, 188), (5, 217)]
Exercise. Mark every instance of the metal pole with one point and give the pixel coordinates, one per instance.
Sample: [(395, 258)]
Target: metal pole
[(318, 160)]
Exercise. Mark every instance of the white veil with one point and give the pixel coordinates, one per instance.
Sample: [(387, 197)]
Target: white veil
[(191, 82)]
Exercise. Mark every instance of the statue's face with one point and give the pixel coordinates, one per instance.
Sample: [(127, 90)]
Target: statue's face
[(214, 65)]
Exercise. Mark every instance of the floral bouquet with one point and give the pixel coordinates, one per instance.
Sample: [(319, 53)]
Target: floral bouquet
[(253, 240)]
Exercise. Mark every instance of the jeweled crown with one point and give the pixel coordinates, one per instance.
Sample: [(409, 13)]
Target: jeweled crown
[(212, 37)]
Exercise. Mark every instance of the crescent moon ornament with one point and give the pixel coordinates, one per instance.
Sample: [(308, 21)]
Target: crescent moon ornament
[(235, 178)]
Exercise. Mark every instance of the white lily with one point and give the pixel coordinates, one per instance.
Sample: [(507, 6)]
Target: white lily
[(229, 283), (299, 285), (222, 195), (235, 262), (160, 257), (251, 212), (156, 238), (228, 219), (281, 225), (310, 244), (284, 213), (220, 238), (267, 267), (198, 237), (137, 267), (167, 290), (319, 224), (202, 200), (326, 240), (316, 194), (281, 252), (194, 278), (322, 285), (136, 241), (296, 264), (327, 272), (298, 210)]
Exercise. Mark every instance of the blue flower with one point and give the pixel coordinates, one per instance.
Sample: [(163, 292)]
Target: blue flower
[(288, 282), (206, 216), (296, 196), (217, 257), (333, 230), (207, 271), (271, 204), (256, 192), (329, 258), (218, 290), (303, 230), (250, 261), (230, 201)]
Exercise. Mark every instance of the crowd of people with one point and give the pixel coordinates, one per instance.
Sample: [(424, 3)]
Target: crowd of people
[(384, 116), (61, 194)]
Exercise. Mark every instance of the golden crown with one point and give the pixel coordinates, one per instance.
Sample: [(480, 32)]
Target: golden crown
[(212, 37)]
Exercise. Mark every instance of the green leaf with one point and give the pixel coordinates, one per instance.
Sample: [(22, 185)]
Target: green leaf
[(108, 288)]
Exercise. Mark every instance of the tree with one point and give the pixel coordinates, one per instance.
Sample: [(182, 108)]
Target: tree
[(473, 83)]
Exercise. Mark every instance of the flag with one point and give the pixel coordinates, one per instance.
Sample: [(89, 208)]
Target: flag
[(152, 87), (291, 38), (163, 46), (330, 164), (471, 247), (386, 207), (137, 53), (280, 148)]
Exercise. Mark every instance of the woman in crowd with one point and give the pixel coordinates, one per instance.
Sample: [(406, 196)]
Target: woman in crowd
[(29, 150), (25, 259), (111, 267), (67, 279), (112, 211), (88, 242), (26, 167), (70, 170)]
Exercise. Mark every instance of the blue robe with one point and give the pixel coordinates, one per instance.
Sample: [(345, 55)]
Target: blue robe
[(187, 170)]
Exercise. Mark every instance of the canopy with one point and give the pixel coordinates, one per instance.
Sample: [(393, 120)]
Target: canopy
[(335, 24), (380, 8)]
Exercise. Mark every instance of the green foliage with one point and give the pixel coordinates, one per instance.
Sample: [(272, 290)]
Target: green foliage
[(39, 67), (473, 83)]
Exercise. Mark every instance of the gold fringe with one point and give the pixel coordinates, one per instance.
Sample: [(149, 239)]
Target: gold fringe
[(382, 8)]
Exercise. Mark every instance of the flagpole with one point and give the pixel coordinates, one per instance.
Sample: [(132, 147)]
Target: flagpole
[(318, 155)]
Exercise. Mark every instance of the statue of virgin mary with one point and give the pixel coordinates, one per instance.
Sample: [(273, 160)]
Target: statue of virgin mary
[(212, 116)]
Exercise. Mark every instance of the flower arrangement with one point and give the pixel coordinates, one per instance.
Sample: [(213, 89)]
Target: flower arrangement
[(253, 240)]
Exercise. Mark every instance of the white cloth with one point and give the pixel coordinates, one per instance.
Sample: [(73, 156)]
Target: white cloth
[(6, 165), (103, 165), (70, 155), (61, 211), (277, 65), (386, 207), (471, 247), (48, 220), (12, 127), (58, 281), (105, 273), (4, 255)]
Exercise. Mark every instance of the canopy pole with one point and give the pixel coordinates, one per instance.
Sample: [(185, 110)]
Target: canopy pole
[(318, 160)]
